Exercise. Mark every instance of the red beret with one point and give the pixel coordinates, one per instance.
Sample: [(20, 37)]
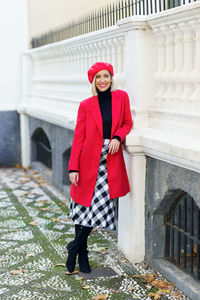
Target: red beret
[(99, 66)]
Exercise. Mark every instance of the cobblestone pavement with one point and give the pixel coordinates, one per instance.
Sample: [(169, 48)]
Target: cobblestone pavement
[(34, 230)]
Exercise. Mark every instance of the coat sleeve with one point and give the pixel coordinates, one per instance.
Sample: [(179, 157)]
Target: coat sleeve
[(79, 138), (127, 122)]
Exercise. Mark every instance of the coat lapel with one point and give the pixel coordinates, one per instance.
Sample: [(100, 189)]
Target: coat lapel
[(116, 110), (96, 113)]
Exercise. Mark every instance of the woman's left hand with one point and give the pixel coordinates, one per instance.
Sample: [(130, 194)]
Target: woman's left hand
[(113, 146)]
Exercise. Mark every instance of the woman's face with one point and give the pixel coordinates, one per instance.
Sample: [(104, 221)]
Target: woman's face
[(103, 80)]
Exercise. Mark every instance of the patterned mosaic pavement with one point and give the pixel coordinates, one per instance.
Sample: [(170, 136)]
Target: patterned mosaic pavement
[(34, 230)]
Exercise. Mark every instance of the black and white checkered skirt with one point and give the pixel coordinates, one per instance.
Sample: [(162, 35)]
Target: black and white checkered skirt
[(101, 213)]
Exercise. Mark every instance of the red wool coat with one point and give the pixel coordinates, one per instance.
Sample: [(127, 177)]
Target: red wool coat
[(87, 144)]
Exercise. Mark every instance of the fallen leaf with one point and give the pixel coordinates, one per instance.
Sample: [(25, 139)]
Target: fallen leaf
[(42, 201), (149, 277), (160, 284), (55, 220), (98, 249), (33, 223), (60, 265), (37, 176), (151, 294), (44, 208), (67, 219), (104, 251), (61, 203), (18, 272), (116, 291), (86, 287), (2, 259), (100, 297), (18, 166), (72, 273), (123, 261), (78, 278), (157, 296), (131, 288), (137, 276), (94, 229), (176, 295), (31, 254), (24, 181)]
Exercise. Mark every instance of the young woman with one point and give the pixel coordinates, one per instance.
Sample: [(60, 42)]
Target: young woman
[(96, 168)]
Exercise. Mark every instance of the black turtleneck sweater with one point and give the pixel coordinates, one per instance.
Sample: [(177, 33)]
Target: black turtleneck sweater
[(105, 105), (106, 112)]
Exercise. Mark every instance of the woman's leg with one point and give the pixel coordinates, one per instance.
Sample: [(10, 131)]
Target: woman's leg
[(73, 248), (83, 252), (78, 245)]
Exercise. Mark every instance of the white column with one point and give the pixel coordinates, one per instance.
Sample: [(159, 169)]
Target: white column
[(140, 66), (24, 119), (131, 222)]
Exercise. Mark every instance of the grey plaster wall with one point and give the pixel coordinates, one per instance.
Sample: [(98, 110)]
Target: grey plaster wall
[(10, 149), (61, 140), (164, 183)]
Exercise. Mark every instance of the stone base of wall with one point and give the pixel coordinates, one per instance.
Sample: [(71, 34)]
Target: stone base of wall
[(164, 182), (61, 140), (10, 150)]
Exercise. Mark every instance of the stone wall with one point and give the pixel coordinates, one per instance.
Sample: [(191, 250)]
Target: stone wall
[(61, 140), (10, 150)]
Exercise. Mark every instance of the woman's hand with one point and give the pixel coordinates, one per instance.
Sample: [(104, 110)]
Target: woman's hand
[(113, 146), (74, 178)]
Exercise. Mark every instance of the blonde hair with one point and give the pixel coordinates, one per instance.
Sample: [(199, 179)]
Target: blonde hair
[(94, 89)]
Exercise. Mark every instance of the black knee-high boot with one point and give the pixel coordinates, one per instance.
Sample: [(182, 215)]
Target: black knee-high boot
[(83, 252), (73, 248)]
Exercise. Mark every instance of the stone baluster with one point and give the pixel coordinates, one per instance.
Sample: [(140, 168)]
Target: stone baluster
[(161, 66), (169, 65), (195, 74), (120, 51), (115, 54), (178, 65), (187, 65)]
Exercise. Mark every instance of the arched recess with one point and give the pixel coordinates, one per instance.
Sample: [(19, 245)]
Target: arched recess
[(182, 238), (65, 162), (41, 148)]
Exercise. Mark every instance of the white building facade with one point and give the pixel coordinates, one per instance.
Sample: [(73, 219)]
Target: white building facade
[(156, 60), (14, 40)]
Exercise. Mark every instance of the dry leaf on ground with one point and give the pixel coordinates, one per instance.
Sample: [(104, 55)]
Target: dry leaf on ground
[(55, 220), (123, 261), (104, 251), (86, 287), (161, 284), (44, 208), (176, 295), (60, 265), (18, 272), (33, 223), (150, 277), (42, 201), (137, 276), (100, 297)]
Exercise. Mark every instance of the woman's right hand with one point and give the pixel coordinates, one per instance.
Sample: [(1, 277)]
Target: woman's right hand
[(74, 178)]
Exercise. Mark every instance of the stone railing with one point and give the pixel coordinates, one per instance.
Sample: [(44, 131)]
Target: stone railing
[(178, 69), (59, 74)]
